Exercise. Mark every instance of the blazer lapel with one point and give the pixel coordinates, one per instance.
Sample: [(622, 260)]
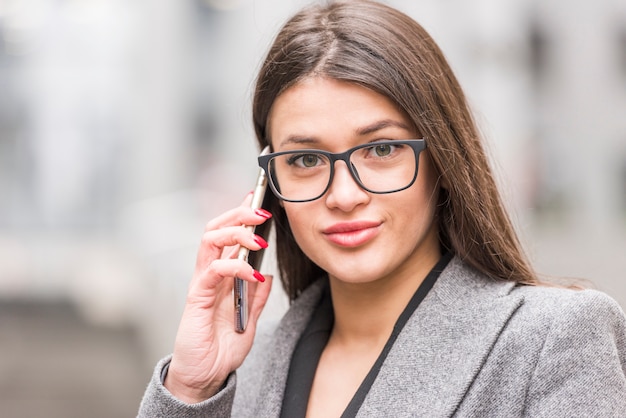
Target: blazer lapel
[(278, 354), (443, 346)]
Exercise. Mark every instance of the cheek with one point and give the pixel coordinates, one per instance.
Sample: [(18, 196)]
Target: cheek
[(429, 181), (420, 205), (299, 222)]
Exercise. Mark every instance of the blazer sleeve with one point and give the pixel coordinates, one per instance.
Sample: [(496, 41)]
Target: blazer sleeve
[(158, 402), (582, 365)]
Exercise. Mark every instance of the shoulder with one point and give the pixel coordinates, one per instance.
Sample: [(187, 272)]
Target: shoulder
[(533, 318), (587, 323), (563, 308), (580, 363), (461, 285), (551, 351)]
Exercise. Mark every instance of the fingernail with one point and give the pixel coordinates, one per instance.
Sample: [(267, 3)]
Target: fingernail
[(262, 212), (258, 276), (259, 240)]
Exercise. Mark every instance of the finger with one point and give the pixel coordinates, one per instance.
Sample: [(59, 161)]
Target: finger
[(213, 243), (233, 235), (258, 295), (231, 252), (241, 215), (247, 201), (218, 276)]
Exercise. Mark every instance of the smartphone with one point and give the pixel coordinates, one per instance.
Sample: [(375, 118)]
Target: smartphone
[(240, 290)]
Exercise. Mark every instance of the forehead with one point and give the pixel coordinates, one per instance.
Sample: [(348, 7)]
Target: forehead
[(321, 107)]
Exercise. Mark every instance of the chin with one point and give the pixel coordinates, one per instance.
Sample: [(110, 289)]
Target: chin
[(360, 274)]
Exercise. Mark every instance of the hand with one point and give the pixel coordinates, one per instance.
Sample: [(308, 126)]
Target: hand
[(207, 347)]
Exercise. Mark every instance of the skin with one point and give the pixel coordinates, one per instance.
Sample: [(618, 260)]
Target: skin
[(392, 242), (377, 249), (207, 348)]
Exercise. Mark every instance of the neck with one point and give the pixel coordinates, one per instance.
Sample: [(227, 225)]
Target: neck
[(365, 313)]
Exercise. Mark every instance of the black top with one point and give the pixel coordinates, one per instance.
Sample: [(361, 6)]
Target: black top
[(315, 337)]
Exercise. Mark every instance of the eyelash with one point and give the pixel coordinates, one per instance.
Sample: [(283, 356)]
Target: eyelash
[(294, 158)]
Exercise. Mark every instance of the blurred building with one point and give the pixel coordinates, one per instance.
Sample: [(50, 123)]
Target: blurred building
[(125, 126)]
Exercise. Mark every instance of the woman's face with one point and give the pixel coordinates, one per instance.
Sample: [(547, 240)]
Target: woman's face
[(354, 235)]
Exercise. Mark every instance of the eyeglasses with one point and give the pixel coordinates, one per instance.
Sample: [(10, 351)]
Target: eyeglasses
[(378, 167)]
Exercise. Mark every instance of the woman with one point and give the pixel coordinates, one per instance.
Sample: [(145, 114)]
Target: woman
[(410, 293)]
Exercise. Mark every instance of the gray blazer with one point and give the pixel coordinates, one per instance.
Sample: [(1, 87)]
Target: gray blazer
[(475, 347)]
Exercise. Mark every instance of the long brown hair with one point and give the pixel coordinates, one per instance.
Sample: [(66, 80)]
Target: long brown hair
[(382, 49)]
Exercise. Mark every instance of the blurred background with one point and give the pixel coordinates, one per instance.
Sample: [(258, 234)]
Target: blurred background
[(125, 127)]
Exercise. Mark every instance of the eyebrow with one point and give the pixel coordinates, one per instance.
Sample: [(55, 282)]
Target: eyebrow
[(382, 124), (365, 130), (298, 139)]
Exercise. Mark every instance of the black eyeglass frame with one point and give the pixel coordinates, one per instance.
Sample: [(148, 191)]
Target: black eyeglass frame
[(418, 145)]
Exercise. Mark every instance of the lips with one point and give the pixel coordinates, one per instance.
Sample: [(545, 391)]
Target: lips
[(352, 234)]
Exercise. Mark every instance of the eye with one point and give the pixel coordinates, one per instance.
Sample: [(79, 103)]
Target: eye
[(382, 150), (304, 160)]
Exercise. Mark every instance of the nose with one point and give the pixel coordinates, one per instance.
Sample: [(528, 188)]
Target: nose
[(344, 192)]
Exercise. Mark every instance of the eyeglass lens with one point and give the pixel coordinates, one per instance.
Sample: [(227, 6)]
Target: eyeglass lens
[(380, 168)]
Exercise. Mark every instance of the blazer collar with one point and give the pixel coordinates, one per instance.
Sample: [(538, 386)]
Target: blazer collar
[(444, 344), (279, 353), (440, 350)]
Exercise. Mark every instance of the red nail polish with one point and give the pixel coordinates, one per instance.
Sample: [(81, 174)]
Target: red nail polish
[(263, 213), (258, 276), (259, 240)]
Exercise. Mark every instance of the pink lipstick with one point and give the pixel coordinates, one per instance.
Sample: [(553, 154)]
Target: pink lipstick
[(352, 234)]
